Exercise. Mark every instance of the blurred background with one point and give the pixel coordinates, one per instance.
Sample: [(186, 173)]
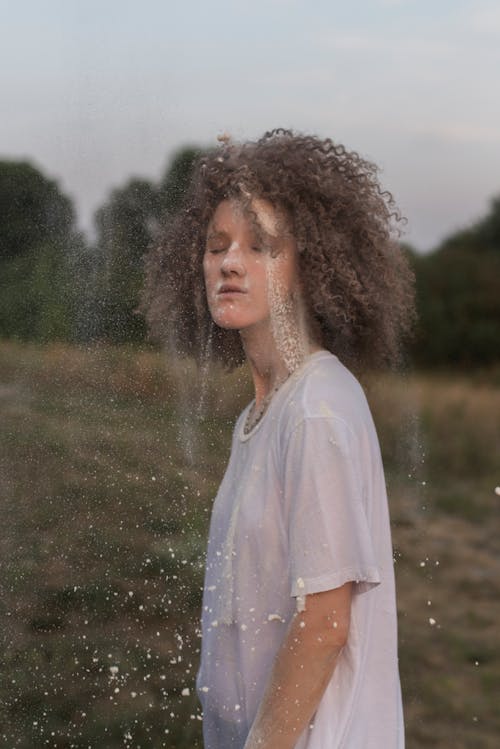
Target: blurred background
[(111, 451)]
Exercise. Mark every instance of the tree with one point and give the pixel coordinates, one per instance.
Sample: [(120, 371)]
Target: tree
[(173, 186), (33, 211), (37, 233), (458, 297), (126, 226)]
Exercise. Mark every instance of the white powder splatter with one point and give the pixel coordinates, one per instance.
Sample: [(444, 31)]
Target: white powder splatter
[(266, 216), (275, 617), (287, 324)]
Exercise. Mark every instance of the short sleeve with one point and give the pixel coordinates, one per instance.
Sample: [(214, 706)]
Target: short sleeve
[(329, 538)]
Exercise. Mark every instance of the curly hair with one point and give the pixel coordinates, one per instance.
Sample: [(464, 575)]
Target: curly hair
[(358, 283)]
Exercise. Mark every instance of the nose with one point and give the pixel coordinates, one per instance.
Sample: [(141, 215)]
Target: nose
[(232, 263)]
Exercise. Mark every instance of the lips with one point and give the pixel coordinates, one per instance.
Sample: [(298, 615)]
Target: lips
[(230, 289)]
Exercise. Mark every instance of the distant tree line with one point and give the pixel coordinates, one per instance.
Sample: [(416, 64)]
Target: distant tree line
[(55, 285), (458, 297)]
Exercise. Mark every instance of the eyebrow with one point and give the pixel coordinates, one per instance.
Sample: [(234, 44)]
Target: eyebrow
[(257, 229), (215, 234)]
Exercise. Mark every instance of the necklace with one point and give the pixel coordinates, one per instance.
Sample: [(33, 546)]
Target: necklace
[(256, 414)]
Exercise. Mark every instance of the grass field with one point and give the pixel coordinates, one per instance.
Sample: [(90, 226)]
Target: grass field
[(110, 459)]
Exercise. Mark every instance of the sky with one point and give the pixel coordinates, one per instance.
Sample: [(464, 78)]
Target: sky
[(94, 92)]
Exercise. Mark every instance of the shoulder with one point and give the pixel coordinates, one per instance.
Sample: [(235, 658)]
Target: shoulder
[(327, 408), (326, 388)]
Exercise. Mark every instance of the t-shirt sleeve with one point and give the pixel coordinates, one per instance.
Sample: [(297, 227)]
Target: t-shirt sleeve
[(329, 538)]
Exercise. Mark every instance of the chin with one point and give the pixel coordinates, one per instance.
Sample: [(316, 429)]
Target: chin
[(227, 322), (230, 320)]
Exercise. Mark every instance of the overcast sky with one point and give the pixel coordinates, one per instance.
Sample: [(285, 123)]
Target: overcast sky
[(95, 91)]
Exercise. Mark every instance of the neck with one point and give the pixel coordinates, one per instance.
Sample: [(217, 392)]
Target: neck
[(267, 363)]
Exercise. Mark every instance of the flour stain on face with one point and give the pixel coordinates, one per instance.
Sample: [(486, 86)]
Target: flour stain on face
[(287, 309), (267, 217)]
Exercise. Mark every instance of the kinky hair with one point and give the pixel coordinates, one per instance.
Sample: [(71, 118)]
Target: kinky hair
[(357, 282)]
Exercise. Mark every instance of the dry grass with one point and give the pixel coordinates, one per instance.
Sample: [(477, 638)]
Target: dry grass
[(109, 464)]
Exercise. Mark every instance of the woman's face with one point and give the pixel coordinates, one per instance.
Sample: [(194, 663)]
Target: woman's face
[(246, 265)]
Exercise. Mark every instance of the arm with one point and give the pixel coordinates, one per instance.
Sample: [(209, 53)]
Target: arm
[(302, 669)]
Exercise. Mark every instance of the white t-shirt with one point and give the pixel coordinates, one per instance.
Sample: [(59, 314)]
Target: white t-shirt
[(302, 508)]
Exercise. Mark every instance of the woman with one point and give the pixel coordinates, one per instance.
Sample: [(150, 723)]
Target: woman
[(284, 256)]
